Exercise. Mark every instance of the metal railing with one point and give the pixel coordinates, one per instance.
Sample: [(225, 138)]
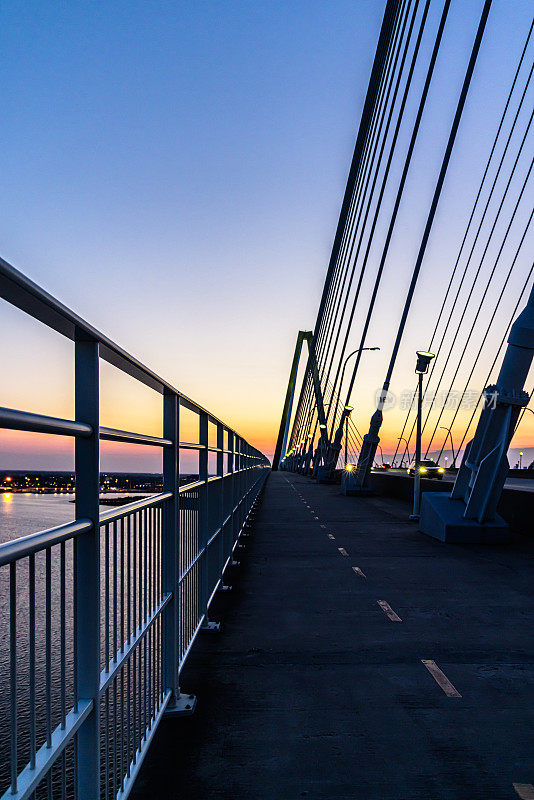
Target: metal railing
[(101, 613)]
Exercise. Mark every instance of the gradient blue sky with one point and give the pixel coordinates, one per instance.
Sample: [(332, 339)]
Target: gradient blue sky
[(173, 171)]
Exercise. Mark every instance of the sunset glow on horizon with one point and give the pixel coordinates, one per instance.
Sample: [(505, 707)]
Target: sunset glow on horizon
[(189, 214)]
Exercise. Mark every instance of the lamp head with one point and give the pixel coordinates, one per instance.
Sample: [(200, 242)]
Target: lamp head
[(348, 409), (423, 361)]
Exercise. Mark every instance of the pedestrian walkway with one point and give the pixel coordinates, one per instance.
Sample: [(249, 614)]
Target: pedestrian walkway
[(359, 660)]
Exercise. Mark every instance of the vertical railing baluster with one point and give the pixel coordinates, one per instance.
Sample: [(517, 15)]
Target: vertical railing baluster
[(106, 597), (145, 567), (129, 715), (75, 643), (121, 730), (13, 673), (63, 642), (135, 627), (48, 645), (122, 585), (128, 578), (134, 573), (106, 741), (129, 633), (113, 738), (114, 594), (31, 643), (145, 683), (135, 703), (87, 568)]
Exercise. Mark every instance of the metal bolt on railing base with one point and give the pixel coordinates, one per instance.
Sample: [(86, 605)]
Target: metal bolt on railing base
[(224, 588), (234, 563), (183, 706)]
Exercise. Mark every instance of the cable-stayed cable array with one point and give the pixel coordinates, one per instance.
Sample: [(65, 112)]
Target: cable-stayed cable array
[(489, 274)]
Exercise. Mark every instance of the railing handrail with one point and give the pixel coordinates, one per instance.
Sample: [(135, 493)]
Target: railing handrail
[(20, 291), (35, 542), (137, 505)]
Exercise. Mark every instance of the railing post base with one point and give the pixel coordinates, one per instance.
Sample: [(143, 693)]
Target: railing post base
[(211, 627), (183, 706)]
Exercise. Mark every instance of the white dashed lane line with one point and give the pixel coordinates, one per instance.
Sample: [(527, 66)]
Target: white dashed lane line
[(388, 611), (359, 572), (342, 551), (524, 790), (331, 536), (442, 680)]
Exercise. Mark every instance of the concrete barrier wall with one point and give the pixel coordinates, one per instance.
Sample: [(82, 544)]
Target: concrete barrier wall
[(515, 506)]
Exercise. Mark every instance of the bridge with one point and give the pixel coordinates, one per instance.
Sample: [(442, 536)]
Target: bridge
[(339, 622)]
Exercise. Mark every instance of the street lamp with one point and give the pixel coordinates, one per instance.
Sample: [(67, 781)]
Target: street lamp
[(381, 454), (360, 350), (520, 460), (423, 362), (406, 451), (348, 409), (452, 445), (333, 448)]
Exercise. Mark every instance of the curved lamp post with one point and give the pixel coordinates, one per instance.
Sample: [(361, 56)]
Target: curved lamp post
[(348, 409), (359, 350), (334, 446), (443, 428), (406, 451), (423, 362)]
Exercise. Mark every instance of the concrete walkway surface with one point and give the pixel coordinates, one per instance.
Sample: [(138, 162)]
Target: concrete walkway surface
[(359, 660)]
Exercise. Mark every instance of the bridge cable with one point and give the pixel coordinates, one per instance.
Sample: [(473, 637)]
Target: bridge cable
[(479, 269), (436, 196), (384, 183), (356, 195), (488, 326), (398, 198), (490, 158), (497, 352), (354, 222)]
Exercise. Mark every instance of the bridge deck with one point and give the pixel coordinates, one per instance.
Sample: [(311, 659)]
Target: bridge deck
[(312, 691)]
